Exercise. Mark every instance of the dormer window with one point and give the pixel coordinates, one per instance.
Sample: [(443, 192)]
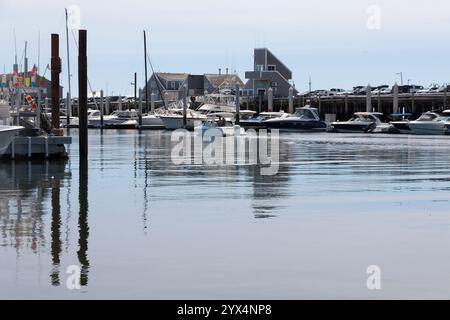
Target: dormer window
[(271, 67)]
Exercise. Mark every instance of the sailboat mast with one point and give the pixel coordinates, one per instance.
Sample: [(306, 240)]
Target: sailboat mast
[(146, 76), (69, 89)]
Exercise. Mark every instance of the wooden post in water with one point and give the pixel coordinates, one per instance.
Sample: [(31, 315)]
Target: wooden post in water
[(413, 104), (140, 100), (107, 105), (82, 94), (291, 100), (270, 98), (102, 109), (395, 98), (380, 107), (152, 102), (445, 99), (368, 99), (346, 110), (184, 106), (55, 71), (68, 108), (238, 104)]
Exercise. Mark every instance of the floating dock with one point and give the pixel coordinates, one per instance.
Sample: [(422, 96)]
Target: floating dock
[(41, 147)]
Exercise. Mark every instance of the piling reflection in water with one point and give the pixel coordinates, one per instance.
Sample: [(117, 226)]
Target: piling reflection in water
[(83, 224), (56, 232)]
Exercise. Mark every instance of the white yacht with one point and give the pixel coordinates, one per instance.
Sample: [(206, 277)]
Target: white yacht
[(7, 134), (431, 123), (174, 119), (304, 119), (360, 122), (117, 119)]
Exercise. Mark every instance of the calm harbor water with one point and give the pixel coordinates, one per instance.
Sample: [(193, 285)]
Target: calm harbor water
[(148, 229)]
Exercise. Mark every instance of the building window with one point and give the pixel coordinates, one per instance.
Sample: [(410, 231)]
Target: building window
[(259, 67), (172, 85), (274, 84), (271, 67)]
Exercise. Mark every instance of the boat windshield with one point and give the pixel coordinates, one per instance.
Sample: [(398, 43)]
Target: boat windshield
[(306, 114), (427, 117)]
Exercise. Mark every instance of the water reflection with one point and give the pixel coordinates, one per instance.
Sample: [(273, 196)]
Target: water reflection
[(83, 226)]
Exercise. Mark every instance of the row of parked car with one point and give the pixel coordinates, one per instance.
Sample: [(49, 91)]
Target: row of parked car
[(383, 89)]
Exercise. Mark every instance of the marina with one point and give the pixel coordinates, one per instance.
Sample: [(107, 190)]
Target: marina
[(156, 152)]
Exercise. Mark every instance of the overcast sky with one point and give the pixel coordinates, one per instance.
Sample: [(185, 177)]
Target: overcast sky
[(338, 43)]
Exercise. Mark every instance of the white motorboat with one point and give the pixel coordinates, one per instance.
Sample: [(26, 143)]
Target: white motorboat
[(218, 121), (7, 134), (360, 122), (152, 120), (400, 122), (117, 119), (175, 120), (431, 123), (75, 121)]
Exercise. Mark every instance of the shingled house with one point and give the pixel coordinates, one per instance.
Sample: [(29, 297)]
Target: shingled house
[(173, 83), (268, 72)]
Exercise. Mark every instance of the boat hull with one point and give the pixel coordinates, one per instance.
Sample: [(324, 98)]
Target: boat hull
[(295, 125), (173, 123), (344, 127), (7, 134), (402, 127), (428, 128)]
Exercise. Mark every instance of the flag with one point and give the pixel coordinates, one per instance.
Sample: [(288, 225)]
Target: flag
[(3, 83)]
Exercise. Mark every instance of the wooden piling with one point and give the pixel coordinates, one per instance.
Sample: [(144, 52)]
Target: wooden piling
[(55, 71), (270, 102), (82, 94), (238, 104), (102, 109)]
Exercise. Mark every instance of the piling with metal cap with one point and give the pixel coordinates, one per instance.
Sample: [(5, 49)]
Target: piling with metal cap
[(55, 71), (82, 94), (395, 98), (291, 100), (270, 102), (238, 104), (184, 106), (368, 99), (102, 109)]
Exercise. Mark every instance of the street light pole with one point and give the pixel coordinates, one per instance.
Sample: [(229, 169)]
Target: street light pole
[(401, 77)]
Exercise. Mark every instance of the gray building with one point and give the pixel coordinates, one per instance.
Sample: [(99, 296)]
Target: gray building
[(268, 72), (172, 84)]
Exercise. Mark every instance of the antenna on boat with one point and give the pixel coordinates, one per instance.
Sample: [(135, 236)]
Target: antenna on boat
[(146, 76), (156, 76), (39, 52), (69, 89), (16, 66)]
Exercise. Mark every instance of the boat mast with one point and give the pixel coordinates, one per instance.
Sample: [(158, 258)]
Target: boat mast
[(69, 91), (146, 77)]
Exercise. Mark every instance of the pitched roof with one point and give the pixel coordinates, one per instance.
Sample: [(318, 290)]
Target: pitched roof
[(172, 76), (218, 80)]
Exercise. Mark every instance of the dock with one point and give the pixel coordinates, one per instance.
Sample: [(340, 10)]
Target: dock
[(40, 147)]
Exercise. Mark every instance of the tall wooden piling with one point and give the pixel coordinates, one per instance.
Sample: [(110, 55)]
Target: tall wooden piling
[(82, 94), (184, 106), (368, 99), (152, 102), (55, 71), (238, 103), (102, 109), (395, 108), (291, 100), (270, 102)]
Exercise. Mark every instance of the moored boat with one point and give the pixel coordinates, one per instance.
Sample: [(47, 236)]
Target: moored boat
[(360, 122), (431, 123), (305, 119)]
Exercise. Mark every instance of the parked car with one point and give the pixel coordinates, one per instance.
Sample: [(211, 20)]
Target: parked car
[(386, 90), (356, 90), (377, 90), (432, 88), (444, 87), (336, 91)]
